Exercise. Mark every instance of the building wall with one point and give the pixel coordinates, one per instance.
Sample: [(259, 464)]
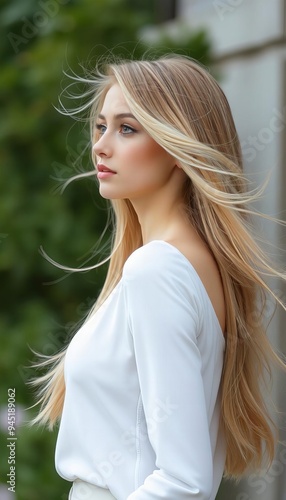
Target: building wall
[(250, 52)]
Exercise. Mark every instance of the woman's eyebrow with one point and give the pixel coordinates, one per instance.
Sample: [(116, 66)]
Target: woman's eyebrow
[(119, 117)]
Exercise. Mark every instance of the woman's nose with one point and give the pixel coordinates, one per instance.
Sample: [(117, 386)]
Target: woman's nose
[(102, 147)]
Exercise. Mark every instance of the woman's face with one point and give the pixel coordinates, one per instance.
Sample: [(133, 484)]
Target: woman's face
[(130, 164)]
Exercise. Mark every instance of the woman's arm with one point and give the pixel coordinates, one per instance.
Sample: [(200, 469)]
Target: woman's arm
[(164, 323)]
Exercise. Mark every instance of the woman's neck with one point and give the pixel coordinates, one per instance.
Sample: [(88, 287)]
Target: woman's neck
[(161, 220)]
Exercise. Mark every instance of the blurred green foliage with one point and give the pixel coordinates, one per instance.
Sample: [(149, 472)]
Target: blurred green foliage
[(41, 305)]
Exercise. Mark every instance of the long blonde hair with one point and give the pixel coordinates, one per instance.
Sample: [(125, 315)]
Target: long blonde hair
[(185, 111)]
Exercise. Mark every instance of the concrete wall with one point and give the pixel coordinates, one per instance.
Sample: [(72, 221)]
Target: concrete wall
[(250, 51)]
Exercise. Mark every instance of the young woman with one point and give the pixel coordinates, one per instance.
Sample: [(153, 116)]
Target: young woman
[(159, 392)]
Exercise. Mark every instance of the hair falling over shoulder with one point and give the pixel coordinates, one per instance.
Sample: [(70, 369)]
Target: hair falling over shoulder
[(185, 111)]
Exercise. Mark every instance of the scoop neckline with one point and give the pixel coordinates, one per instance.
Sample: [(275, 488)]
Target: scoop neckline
[(190, 265)]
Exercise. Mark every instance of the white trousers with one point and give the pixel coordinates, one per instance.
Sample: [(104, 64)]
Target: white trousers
[(85, 491)]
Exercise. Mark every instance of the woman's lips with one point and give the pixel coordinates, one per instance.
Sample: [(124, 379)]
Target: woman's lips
[(104, 172)]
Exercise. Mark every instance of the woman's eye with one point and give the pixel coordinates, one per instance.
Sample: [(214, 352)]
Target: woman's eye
[(126, 129), (123, 129), (101, 128)]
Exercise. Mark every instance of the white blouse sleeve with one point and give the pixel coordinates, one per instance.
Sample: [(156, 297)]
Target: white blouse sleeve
[(164, 319)]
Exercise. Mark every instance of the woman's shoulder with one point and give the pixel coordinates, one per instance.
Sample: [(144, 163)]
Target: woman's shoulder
[(155, 256), (189, 266), (162, 262)]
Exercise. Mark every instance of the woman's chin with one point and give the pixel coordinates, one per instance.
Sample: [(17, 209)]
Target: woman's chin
[(110, 194)]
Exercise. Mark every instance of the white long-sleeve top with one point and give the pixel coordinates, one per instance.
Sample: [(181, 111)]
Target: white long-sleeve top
[(142, 407)]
